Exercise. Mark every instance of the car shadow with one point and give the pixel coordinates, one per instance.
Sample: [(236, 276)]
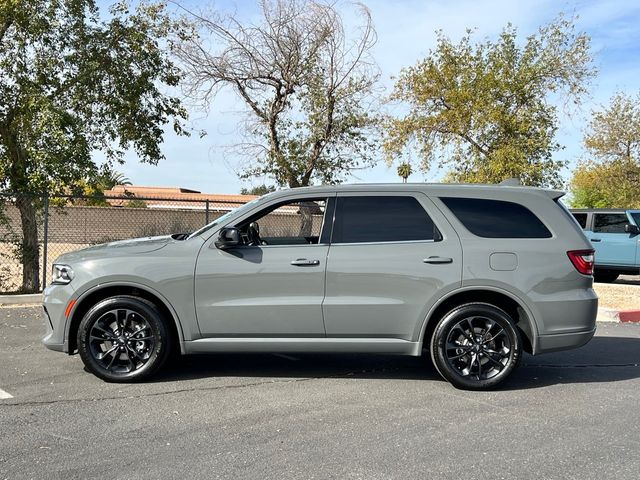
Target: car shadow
[(604, 359)]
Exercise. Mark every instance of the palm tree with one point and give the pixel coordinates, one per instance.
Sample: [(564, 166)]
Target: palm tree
[(111, 178), (404, 170)]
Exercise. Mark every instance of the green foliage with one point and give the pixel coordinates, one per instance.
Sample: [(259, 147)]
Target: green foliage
[(259, 190), (135, 203), (72, 83), (611, 178), (612, 184), (486, 109), (404, 171)]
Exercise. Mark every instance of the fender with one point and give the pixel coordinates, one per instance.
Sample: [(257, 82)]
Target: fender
[(527, 310), (79, 299)]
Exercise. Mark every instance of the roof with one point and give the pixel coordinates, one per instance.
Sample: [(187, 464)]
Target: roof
[(430, 187), (175, 197)]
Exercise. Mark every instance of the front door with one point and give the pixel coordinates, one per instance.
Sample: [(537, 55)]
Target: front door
[(273, 284), (392, 257), (612, 244)]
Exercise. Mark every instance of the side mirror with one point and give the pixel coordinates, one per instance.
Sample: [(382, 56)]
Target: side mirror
[(632, 229), (228, 237)]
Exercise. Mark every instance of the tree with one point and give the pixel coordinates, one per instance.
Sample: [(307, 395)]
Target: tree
[(404, 171), (486, 109), (610, 178), (72, 83), (259, 190), (306, 87), (95, 187)]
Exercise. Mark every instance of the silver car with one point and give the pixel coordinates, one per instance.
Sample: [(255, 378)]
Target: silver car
[(472, 275)]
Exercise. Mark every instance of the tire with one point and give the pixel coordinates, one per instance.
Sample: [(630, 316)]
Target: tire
[(123, 339), (473, 364), (605, 277)]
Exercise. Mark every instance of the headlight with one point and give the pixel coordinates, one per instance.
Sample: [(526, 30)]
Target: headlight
[(61, 274)]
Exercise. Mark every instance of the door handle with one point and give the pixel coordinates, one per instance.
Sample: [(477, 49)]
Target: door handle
[(596, 240), (303, 262), (438, 260)]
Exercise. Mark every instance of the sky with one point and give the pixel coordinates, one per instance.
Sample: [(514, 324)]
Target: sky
[(406, 32)]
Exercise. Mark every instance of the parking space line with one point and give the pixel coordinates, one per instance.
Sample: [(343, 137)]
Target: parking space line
[(4, 395)]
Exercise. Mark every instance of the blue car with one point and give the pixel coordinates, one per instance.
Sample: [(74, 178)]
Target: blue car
[(615, 235)]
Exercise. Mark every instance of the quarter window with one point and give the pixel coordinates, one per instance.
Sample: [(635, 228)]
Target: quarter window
[(581, 218), (610, 222), (496, 218), (382, 219)]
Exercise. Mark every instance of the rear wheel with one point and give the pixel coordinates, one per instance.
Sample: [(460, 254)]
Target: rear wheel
[(605, 277), (476, 346), (123, 339)]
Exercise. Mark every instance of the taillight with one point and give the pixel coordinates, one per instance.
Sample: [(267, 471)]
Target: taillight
[(582, 260)]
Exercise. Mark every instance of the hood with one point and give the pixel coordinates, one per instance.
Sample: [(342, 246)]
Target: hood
[(119, 248)]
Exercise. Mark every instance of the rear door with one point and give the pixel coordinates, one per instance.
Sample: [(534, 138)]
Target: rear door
[(392, 256), (613, 245)]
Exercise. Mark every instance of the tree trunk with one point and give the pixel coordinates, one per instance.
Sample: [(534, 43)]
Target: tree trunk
[(29, 249)]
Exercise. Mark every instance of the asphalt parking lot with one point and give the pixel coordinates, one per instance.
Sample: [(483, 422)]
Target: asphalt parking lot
[(567, 415)]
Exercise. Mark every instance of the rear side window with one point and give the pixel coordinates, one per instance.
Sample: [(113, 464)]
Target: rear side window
[(609, 222), (496, 218), (581, 218), (381, 219)]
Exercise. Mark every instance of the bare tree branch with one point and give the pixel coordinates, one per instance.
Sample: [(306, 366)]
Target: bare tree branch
[(306, 84)]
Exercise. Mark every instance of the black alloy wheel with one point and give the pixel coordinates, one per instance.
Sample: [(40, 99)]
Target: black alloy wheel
[(123, 339), (476, 346)]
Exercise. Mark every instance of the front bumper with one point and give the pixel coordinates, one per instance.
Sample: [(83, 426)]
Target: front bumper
[(55, 301)]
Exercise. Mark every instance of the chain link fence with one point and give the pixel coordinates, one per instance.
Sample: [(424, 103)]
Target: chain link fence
[(67, 223)]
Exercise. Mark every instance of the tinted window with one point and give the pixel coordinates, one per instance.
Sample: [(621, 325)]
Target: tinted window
[(581, 218), (610, 222), (636, 217), (496, 218), (381, 219)]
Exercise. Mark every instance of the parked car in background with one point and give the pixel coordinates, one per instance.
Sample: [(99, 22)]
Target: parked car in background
[(615, 235), (473, 275)]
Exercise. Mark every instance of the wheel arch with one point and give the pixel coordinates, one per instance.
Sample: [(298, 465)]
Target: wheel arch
[(92, 296), (504, 300)]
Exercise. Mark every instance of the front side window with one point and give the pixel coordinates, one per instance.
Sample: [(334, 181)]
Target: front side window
[(366, 219), (297, 222), (496, 218), (610, 222)]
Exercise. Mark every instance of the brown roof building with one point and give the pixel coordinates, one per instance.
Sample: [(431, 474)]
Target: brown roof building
[(174, 197)]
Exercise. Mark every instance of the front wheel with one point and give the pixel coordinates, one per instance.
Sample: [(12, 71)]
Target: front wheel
[(476, 346), (123, 339)]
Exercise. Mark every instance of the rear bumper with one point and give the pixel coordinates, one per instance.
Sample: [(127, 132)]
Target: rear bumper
[(621, 269), (566, 323), (564, 341)]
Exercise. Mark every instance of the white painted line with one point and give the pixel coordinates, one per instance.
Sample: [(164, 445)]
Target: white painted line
[(288, 357), (4, 395)]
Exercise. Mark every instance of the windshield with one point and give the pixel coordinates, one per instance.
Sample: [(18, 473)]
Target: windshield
[(636, 217), (221, 220)]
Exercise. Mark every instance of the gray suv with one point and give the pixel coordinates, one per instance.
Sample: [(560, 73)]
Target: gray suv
[(471, 274)]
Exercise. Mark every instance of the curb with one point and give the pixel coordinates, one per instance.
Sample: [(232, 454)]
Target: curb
[(27, 299), (618, 316)]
